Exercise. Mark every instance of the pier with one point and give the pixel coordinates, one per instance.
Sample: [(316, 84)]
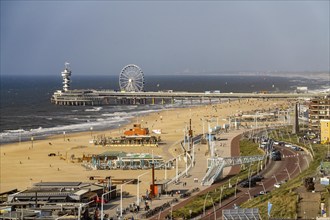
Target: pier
[(110, 97), (131, 83)]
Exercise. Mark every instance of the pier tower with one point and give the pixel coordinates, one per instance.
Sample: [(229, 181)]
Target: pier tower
[(66, 74)]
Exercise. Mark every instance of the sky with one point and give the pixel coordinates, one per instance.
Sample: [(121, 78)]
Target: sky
[(163, 37)]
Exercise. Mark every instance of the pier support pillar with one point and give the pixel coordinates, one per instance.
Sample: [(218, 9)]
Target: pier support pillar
[(153, 101)]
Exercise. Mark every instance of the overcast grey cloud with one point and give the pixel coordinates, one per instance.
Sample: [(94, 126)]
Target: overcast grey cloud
[(164, 37)]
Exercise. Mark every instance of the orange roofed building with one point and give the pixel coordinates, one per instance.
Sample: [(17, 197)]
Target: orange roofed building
[(136, 131)]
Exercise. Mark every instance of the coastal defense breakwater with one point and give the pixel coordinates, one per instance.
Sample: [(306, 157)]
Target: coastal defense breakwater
[(110, 97)]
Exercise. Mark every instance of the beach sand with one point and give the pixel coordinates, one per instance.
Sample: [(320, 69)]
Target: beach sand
[(25, 163)]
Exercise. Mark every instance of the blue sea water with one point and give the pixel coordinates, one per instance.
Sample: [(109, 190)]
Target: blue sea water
[(26, 110)]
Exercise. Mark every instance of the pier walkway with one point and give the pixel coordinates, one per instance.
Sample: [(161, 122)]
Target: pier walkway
[(110, 97)]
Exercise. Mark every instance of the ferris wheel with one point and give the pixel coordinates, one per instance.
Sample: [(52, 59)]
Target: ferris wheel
[(131, 79)]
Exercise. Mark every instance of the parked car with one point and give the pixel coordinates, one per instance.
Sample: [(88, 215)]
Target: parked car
[(246, 184), (277, 185), (257, 178), (296, 148), (261, 193), (276, 155), (288, 145)]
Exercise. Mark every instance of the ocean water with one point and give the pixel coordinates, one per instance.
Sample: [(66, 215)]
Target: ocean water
[(26, 110)]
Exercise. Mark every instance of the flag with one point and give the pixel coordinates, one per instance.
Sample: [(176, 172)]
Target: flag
[(269, 208)]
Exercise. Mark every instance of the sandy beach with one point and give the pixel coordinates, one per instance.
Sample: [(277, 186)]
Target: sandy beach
[(25, 163)]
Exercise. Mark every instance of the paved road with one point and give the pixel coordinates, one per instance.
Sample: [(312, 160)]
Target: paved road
[(275, 168)]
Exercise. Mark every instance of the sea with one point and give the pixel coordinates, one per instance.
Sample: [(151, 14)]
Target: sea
[(26, 110)]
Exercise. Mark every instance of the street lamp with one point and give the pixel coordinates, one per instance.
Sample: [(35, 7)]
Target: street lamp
[(138, 188), (80, 208), (236, 186), (256, 119), (102, 201), (249, 176), (205, 202), (306, 161), (263, 186), (165, 167), (215, 213), (220, 196), (32, 142), (249, 194), (275, 178), (287, 172), (121, 196), (91, 131), (299, 166)]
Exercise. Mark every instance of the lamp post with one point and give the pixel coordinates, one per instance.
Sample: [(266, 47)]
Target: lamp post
[(275, 178), (299, 166), (165, 168), (121, 196), (102, 201), (236, 186), (63, 135), (263, 186), (138, 188), (287, 172), (306, 161), (186, 156), (32, 142), (256, 120), (176, 169), (249, 194), (220, 196), (249, 176), (215, 213), (91, 131), (80, 207), (205, 203)]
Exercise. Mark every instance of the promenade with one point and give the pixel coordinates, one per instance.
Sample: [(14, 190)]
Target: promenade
[(223, 148)]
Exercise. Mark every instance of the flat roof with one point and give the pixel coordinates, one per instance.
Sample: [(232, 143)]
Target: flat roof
[(113, 153), (60, 184)]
